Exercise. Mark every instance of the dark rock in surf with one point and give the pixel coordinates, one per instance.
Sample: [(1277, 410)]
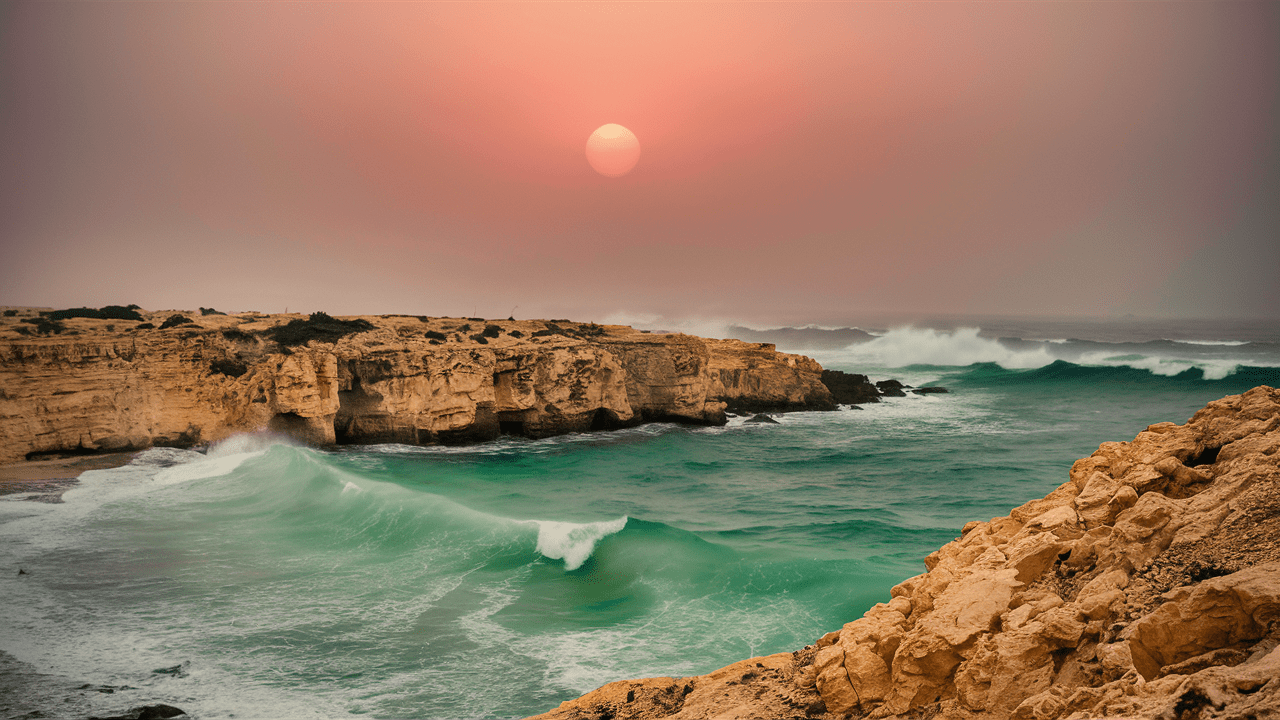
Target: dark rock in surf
[(850, 388), (891, 388), (762, 418), (929, 390), (159, 711)]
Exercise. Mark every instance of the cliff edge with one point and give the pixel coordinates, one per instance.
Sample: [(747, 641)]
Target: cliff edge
[(92, 384), (1147, 586)]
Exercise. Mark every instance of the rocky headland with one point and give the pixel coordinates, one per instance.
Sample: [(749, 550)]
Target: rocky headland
[(120, 378), (1146, 586)]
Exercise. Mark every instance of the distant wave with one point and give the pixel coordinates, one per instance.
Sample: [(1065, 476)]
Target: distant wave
[(1213, 368), (1231, 343), (909, 346), (901, 347)]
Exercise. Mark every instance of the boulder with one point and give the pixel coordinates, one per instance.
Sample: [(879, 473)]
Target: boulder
[(850, 388)]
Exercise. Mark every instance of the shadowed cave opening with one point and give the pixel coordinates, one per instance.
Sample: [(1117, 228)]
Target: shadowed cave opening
[(1208, 456), (291, 424), (605, 420), (358, 413)]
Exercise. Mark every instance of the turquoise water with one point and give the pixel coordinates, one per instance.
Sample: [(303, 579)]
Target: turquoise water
[(500, 579)]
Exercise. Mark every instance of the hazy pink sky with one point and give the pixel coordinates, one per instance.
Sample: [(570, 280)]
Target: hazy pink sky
[(801, 162)]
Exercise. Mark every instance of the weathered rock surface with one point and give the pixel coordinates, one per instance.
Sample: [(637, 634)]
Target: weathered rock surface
[(100, 385), (850, 388), (1147, 586)]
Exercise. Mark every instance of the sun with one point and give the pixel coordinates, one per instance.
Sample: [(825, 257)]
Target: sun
[(613, 150)]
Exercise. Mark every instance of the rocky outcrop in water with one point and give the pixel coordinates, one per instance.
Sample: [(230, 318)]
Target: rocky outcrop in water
[(850, 388), (1147, 586), (95, 384)]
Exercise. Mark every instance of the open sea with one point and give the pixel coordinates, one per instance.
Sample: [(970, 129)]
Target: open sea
[(259, 578)]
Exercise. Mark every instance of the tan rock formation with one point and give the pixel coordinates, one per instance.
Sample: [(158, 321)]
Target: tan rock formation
[(104, 385), (1147, 586)]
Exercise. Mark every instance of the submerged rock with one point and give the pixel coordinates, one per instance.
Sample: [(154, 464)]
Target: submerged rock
[(1147, 585), (159, 711), (891, 388), (762, 418)]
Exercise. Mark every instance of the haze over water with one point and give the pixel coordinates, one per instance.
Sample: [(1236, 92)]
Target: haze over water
[(497, 580)]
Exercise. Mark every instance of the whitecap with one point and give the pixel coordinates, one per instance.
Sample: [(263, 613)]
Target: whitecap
[(574, 542), (1229, 343), (905, 346), (1213, 369)]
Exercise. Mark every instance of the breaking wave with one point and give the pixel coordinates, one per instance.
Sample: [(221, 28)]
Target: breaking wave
[(573, 542), (909, 346)]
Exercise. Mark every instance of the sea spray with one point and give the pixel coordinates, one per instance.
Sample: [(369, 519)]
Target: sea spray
[(923, 346), (1212, 368), (901, 353), (573, 542)]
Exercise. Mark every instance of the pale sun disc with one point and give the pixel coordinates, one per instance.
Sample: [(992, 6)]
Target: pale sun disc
[(613, 150)]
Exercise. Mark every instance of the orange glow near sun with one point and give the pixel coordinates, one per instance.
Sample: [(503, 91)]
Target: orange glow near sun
[(613, 150)]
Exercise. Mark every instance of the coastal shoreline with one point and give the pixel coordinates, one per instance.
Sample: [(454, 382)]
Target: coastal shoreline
[(61, 468), (185, 379), (1147, 585), (46, 480)]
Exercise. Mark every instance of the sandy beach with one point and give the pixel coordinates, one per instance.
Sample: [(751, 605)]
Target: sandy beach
[(46, 480)]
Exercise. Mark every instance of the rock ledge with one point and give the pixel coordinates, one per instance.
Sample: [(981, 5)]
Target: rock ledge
[(92, 384), (1147, 586)]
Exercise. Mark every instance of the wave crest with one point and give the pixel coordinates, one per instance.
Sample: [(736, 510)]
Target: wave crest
[(574, 542), (905, 346)]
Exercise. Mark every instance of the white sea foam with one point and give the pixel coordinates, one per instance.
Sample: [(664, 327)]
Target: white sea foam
[(906, 346), (222, 458), (574, 542), (1230, 343), (924, 346), (256, 442), (207, 468), (1214, 369)]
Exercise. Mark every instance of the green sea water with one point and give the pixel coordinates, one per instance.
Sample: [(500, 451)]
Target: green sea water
[(265, 579)]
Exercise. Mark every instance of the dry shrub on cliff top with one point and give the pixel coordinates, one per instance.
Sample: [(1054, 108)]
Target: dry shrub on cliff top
[(175, 321), (45, 326), (320, 326), (109, 312)]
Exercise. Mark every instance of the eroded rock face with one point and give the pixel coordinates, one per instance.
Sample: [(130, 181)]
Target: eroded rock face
[(1147, 586), (105, 385)]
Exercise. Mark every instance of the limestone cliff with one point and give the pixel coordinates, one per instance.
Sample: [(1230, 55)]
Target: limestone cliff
[(1147, 586), (84, 384)]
